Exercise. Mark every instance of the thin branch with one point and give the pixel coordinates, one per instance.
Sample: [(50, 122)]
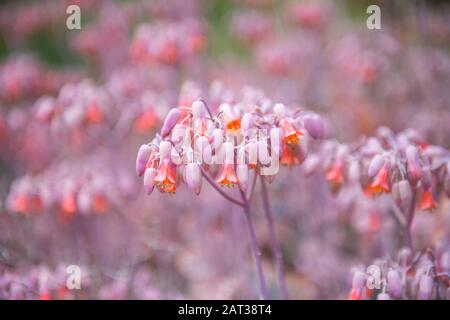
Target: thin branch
[(252, 187), (274, 245), (256, 252)]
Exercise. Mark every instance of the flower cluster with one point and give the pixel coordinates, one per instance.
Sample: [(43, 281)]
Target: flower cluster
[(251, 27), (168, 43), (39, 282), (422, 276), (81, 192), (76, 108), (23, 77), (401, 165), (238, 138)]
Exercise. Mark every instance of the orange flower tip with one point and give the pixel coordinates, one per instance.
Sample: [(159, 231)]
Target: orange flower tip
[(234, 125), (334, 174), (354, 294), (291, 139), (381, 182)]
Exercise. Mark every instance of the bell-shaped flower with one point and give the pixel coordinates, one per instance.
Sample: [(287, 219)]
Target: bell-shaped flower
[(227, 175), (165, 180), (381, 181), (427, 201)]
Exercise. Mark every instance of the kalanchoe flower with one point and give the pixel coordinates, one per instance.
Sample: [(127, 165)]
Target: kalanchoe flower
[(227, 175), (335, 173), (427, 201), (375, 165), (383, 296), (381, 180), (166, 178)]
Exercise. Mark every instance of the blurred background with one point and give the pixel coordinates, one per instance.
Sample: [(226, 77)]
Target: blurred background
[(76, 104)]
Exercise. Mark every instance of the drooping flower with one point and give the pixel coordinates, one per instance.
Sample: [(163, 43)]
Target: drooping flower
[(290, 133), (335, 173), (227, 175), (381, 181), (427, 202), (166, 178), (289, 155), (94, 113)]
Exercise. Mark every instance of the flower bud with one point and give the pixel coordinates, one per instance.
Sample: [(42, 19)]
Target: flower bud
[(395, 285), (385, 133), (242, 176), (279, 110), (383, 296), (402, 193), (425, 287), (311, 164), (314, 125), (445, 261), (149, 180), (142, 158), (247, 122), (194, 177), (198, 109), (169, 122), (375, 165)]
